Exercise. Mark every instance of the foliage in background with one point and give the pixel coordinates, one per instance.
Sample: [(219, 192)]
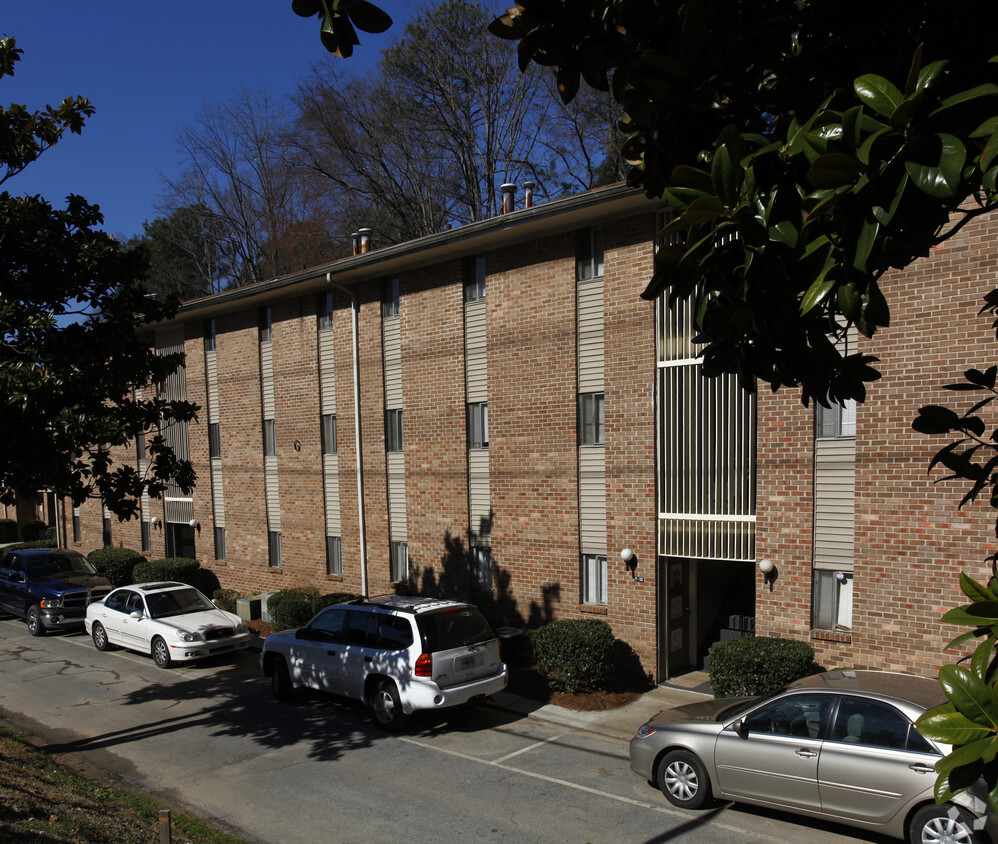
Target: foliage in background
[(180, 569), (70, 359), (8, 530), (34, 543), (116, 564), (225, 599), (758, 665), (33, 529), (574, 655), (295, 607)]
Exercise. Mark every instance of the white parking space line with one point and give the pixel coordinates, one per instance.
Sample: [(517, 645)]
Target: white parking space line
[(664, 810), (528, 748)]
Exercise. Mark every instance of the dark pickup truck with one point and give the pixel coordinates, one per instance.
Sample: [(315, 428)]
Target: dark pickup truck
[(49, 588)]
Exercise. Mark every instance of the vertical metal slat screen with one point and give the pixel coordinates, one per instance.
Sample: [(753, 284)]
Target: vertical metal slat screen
[(706, 451)]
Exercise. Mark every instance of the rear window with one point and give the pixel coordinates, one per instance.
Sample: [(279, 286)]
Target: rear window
[(447, 629)]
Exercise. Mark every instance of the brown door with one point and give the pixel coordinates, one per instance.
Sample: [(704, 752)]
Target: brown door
[(674, 629)]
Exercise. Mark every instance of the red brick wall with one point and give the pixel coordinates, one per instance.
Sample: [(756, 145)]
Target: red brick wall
[(911, 540)]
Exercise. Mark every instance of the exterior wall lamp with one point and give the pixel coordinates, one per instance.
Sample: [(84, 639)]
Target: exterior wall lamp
[(769, 572), (630, 563)]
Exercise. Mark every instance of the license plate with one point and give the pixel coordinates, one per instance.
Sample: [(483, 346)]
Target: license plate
[(466, 662)]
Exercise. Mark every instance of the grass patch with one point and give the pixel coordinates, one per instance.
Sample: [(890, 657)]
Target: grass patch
[(42, 800)]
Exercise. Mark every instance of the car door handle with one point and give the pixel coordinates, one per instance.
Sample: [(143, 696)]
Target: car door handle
[(368, 659), (330, 653), (922, 768), (804, 753)]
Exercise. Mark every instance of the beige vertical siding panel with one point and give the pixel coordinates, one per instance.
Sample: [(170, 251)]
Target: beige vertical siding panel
[(272, 487), (592, 499), (480, 503), (331, 485), (398, 527), (590, 317), (327, 373), (392, 333), (476, 371), (834, 502), (217, 492)]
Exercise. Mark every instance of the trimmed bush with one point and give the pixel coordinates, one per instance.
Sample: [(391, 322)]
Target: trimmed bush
[(170, 568), (51, 533), (116, 564), (294, 607), (34, 543), (225, 599), (758, 665), (574, 655), (8, 530), (33, 529)]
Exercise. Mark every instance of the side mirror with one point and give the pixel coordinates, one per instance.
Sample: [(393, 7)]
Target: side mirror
[(741, 727), (135, 614), (17, 577), (301, 633)]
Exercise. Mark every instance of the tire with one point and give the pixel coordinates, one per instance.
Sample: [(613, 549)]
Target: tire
[(99, 635), (386, 706), (161, 652), (947, 823), (280, 680), (683, 780), (34, 619)]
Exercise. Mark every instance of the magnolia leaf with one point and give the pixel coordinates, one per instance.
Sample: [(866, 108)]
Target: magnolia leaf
[(968, 693), (983, 613), (974, 590), (944, 724), (833, 170), (878, 93), (943, 180)]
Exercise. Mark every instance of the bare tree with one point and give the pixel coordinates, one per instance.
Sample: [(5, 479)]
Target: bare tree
[(239, 172)]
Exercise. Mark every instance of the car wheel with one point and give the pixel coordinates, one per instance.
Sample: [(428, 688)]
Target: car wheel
[(161, 653), (387, 706), (34, 619), (946, 824), (683, 780), (99, 635), (280, 679)]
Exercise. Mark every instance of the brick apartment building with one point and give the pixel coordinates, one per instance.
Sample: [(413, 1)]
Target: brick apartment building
[(493, 412)]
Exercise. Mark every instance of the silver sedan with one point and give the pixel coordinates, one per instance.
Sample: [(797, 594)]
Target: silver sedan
[(840, 746)]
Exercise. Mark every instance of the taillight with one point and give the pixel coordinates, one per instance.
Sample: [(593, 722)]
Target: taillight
[(424, 666)]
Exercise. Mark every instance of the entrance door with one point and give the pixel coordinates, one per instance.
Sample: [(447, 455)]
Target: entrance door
[(676, 618), (180, 541)]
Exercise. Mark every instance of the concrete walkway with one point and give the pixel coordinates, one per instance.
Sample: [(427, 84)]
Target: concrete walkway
[(619, 723)]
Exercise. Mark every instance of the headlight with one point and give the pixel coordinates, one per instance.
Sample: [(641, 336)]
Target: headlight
[(184, 636), (50, 603), (645, 730), (241, 627)]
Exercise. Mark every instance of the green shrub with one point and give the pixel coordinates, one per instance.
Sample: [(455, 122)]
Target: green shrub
[(8, 530), (51, 532), (294, 607), (33, 529), (170, 568), (116, 564), (758, 665), (225, 599), (34, 543), (574, 655)]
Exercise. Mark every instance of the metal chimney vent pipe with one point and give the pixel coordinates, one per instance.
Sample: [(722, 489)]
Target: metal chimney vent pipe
[(528, 194), (355, 239), (365, 240), (508, 197)]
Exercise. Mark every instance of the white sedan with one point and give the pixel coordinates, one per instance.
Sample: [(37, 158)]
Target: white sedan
[(172, 621)]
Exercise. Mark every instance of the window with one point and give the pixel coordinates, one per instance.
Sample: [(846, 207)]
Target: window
[(219, 543), (474, 279), (140, 446), (481, 569), (399, 562), (274, 548), (209, 335), (875, 724), (328, 423), (269, 438), (589, 254), (833, 600), (265, 324), (591, 419), (478, 424), (393, 430), (146, 537), (78, 530), (106, 532), (325, 311), (803, 716), (593, 579), (390, 298), (214, 440), (334, 555), (839, 420)]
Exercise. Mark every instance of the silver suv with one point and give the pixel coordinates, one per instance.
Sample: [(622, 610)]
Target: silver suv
[(395, 653)]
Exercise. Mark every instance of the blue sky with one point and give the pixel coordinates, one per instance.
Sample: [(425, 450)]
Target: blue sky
[(148, 67)]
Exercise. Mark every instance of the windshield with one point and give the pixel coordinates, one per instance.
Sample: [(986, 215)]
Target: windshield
[(447, 629), (57, 565), (177, 602)]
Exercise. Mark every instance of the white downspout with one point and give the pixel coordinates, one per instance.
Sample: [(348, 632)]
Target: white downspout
[(356, 426)]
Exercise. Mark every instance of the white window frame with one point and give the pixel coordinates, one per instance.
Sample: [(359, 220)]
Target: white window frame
[(274, 557), (594, 579), (324, 316), (328, 432), (393, 431), (478, 424), (269, 438), (390, 298), (838, 420), (589, 254), (399, 564), (832, 599), (474, 279), (334, 555), (481, 569)]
